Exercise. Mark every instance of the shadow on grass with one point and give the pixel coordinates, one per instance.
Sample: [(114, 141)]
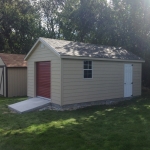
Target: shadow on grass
[(121, 127)]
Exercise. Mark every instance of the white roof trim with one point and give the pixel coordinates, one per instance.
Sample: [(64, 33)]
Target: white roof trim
[(103, 59), (45, 43)]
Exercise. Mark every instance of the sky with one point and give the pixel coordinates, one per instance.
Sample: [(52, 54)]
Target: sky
[(108, 1)]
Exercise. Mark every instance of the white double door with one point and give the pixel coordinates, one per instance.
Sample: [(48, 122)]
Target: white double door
[(128, 80)]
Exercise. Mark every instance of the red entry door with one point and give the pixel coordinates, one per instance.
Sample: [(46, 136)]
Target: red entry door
[(43, 79)]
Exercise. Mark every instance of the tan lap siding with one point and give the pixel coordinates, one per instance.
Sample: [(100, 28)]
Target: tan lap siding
[(44, 54), (17, 82), (107, 81), (137, 71)]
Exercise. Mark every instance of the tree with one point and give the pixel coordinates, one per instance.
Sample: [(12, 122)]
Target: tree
[(49, 10), (78, 19), (18, 26)]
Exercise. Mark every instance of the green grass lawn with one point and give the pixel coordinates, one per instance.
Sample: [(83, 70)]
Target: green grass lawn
[(125, 126)]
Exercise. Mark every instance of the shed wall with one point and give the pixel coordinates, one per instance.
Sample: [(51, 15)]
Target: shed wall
[(17, 82), (107, 81), (5, 81), (42, 53), (137, 79)]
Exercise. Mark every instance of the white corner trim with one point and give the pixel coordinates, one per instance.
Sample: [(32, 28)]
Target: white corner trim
[(46, 44), (102, 59)]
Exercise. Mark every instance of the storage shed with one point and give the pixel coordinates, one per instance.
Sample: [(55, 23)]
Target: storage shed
[(70, 72), (13, 75)]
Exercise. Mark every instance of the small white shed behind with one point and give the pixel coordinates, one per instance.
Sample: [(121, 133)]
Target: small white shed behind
[(13, 75)]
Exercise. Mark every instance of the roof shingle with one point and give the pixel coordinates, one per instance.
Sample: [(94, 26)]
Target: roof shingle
[(69, 48), (13, 60)]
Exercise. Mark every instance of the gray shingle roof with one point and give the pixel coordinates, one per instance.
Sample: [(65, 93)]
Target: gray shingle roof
[(69, 48)]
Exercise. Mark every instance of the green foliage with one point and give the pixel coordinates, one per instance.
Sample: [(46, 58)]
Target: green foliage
[(18, 26), (79, 18), (49, 10)]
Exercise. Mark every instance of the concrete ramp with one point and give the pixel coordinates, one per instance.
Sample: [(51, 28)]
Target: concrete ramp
[(29, 105)]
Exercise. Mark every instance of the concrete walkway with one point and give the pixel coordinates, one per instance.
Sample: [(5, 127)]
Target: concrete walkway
[(29, 105)]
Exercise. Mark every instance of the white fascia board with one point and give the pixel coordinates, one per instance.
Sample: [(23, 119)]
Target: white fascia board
[(46, 44), (102, 59)]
